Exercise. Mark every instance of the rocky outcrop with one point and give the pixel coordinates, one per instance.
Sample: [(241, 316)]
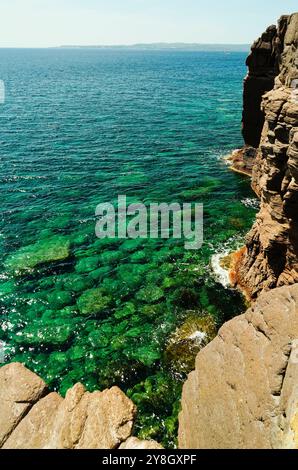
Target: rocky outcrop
[(242, 160), (263, 67), (20, 389), (32, 418), (270, 259), (244, 390)]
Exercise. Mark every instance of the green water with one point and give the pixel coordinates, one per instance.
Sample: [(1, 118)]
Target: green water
[(79, 128)]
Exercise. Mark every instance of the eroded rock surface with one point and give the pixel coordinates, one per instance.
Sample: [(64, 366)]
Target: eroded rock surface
[(31, 418), (270, 259), (242, 160), (244, 390), (20, 389), (263, 67)]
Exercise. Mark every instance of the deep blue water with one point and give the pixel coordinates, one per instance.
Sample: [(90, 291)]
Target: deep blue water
[(79, 127)]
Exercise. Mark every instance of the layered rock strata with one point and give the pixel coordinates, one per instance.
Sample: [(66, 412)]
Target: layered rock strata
[(263, 65), (271, 256)]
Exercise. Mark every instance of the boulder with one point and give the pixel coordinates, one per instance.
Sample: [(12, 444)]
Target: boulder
[(83, 420), (20, 389)]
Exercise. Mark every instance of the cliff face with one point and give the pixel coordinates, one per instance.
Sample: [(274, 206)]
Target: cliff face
[(271, 255), (263, 66), (244, 390)]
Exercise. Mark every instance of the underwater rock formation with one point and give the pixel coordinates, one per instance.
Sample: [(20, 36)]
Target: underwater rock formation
[(271, 256), (243, 392), (187, 340), (27, 258), (33, 418)]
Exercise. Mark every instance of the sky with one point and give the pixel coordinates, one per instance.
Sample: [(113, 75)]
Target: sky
[(47, 23)]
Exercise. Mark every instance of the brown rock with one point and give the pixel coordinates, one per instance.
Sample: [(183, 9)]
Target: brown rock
[(110, 417), (134, 443), (242, 160), (35, 429), (263, 67), (19, 390), (271, 256), (244, 390), (83, 420)]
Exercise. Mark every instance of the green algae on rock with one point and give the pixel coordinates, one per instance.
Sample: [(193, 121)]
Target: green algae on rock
[(59, 299), (124, 342), (93, 301), (53, 333), (157, 399), (27, 258), (187, 340), (150, 294), (87, 264)]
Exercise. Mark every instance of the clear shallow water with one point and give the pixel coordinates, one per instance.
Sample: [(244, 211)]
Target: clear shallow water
[(78, 128)]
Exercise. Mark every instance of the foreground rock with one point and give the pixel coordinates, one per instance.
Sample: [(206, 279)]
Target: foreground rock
[(244, 390), (20, 389), (271, 256), (31, 418), (134, 443)]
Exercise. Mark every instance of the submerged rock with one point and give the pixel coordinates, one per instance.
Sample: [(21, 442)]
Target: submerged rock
[(26, 259), (150, 294), (187, 340), (93, 301), (87, 264), (54, 332)]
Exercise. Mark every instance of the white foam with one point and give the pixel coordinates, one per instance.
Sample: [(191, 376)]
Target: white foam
[(199, 336), (251, 202), (220, 274)]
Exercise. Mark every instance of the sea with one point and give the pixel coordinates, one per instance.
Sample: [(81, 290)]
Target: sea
[(79, 127)]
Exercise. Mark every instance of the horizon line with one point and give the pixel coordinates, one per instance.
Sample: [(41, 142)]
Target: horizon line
[(133, 45)]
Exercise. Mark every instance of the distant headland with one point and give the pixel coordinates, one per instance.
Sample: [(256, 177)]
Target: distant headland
[(169, 46)]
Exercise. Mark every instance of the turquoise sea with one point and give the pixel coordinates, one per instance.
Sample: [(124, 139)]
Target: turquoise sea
[(80, 127)]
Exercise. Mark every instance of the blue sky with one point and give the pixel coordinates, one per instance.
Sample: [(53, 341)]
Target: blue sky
[(43, 23)]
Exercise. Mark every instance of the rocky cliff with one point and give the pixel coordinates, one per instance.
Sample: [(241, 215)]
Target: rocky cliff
[(33, 418), (270, 258), (244, 390), (263, 66)]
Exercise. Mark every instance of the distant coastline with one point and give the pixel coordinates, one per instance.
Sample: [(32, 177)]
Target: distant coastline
[(168, 46)]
